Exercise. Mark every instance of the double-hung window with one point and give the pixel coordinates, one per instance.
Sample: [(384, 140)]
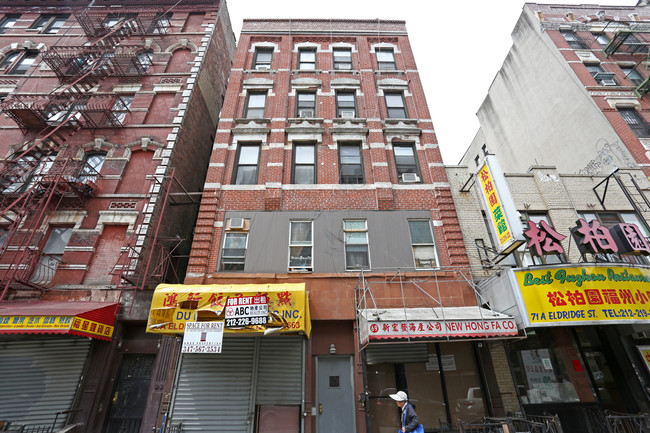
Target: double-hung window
[(602, 39), (350, 163), (233, 254), (307, 59), (263, 59), (18, 62), (93, 163), (51, 255), (395, 105), (599, 74), (424, 248), (301, 247), (255, 105), (8, 22), (406, 163), (121, 107), (342, 58), (346, 104), (386, 59), (632, 74), (635, 121), (356, 244), (50, 24), (304, 164), (574, 40), (247, 162), (306, 104)]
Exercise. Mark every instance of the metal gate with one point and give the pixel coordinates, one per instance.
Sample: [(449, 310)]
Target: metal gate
[(39, 377), (214, 392)]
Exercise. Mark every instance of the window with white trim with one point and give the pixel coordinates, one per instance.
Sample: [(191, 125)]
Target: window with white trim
[(307, 59), (306, 104), (233, 254), (255, 105), (424, 247), (395, 105), (350, 163), (301, 246), (356, 244), (304, 164), (406, 162), (263, 58), (342, 58), (385, 59), (245, 172)]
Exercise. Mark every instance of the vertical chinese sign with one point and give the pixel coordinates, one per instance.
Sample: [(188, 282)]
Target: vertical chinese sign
[(502, 214)]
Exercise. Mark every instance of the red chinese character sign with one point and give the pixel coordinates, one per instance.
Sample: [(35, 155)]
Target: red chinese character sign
[(542, 239)]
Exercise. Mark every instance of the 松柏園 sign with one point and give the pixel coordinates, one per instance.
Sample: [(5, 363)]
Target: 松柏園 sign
[(584, 295)]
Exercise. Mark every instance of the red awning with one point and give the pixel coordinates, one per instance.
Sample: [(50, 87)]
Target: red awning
[(86, 319)]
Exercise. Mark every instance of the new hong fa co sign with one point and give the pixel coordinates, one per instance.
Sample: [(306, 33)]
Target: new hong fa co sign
[(247, 311), (202, 337)]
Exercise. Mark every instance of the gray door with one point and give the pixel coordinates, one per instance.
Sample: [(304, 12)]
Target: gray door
[(334, 395)]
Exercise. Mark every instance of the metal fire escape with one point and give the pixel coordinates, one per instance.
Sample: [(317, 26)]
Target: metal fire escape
[(633, 39), (33, 181)]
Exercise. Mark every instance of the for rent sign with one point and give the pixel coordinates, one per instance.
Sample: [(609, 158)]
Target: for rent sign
[(585, 295), (202, 337)]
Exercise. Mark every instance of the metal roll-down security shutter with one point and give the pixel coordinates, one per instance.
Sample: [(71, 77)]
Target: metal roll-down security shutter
[(214, 391), (39, 376)]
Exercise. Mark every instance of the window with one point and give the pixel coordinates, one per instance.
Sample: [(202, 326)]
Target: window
[(8, 22), (18, 62), (50, 24), (255, 105), (233, 256), (574, 40), (406, 162), (635, 46), (602, 39), (51, 255), (342, 58), (145, 59), (121, 107), (304, 164), (300, 246), (160, 25), (307, 59), (33, 168), (599, 74), (386, 59), (632, 74), (346, 104), (246, 168), (263, 58), (635, 121), (93, 163), (395, 105), (306, 104), (350, 167), (356, 244), (424, 251), (609, 219)]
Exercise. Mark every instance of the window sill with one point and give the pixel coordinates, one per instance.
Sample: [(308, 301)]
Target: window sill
[(305, 119), (342, 120), (396, 121), (246, 120)]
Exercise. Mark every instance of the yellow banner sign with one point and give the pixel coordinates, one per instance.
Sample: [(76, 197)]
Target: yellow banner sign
[(583, 295), (87, 326), (173, 305), (494, 204), (35, 322), (645, 354)]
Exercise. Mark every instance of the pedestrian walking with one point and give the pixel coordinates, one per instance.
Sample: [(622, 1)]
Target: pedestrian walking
[(409, 419)]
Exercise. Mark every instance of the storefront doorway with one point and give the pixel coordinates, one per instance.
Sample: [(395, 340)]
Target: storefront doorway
[(334, 394), (441, 380)]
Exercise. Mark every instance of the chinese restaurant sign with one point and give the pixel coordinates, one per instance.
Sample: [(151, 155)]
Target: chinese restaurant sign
[(591, 237), (245, 307), (504, 221), (585, 295), (57, 324)]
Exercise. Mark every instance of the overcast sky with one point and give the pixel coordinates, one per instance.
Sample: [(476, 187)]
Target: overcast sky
[(458, 45)]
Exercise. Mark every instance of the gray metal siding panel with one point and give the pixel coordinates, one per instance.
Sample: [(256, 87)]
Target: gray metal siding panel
[(39, 377), (213, 391), (280, 369), (268, 249), (414, 352)]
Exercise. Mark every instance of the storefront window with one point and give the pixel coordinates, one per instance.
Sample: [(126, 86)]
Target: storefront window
[(415, 368), (548, 369)]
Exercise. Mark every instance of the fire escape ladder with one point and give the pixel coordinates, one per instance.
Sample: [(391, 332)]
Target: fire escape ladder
[(148, 258)]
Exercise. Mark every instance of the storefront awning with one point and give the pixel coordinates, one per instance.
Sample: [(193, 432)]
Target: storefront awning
[(86, 319), (175, 304), (398, 324)]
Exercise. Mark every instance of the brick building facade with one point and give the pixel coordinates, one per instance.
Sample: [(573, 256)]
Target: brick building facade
[(326, 178), (110, 109)]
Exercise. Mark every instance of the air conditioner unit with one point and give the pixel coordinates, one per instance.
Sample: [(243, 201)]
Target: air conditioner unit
[(410, 177), (306, 113), (236, 223), (605, 79), (262, 67), (348, 114), (608, 82)]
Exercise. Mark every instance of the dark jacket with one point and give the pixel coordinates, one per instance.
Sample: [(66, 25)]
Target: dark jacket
[(410, 419)]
